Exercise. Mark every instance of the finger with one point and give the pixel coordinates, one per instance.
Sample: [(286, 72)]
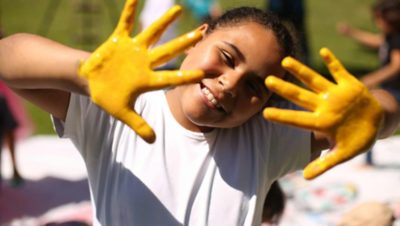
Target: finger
[(138, 124), (167, 51), (293, 93), (309, 77), (321, 165), (336, 68), (153, 33), (162, 79), (126, 19), (303, 119)]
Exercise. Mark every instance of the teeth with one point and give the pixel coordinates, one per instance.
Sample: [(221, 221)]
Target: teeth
[(210, 96)]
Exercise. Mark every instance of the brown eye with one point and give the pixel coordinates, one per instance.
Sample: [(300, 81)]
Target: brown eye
[(228, 59)]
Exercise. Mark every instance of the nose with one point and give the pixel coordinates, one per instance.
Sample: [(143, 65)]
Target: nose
[(229, 83)]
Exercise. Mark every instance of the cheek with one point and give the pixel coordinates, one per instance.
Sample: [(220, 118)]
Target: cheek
[(204, 59), (185, 65), (191, 100), (253, 105)]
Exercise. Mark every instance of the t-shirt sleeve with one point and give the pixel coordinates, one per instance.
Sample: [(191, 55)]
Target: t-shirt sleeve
[(88, 126), (85, 123), (70, 128)]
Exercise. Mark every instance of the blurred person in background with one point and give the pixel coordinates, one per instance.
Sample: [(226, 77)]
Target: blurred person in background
[(203, 10), (8, 127), (369, 213), (293, 11), (386, 15), (274, 205)]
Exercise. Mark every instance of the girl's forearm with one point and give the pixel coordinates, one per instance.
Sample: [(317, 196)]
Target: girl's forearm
[(366, 38), (381, 75), (32, 62)]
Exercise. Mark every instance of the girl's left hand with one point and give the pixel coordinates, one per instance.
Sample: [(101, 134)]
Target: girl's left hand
[(345, 111), (122, 67)]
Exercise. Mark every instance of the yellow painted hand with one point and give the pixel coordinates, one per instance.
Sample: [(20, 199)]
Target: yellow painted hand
[(345, 111), (121, 68)]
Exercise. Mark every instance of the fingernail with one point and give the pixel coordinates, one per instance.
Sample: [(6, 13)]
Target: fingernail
[(287, 62)]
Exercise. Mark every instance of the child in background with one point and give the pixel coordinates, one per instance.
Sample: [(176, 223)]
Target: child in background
[(294, 12), (8, 126), (215, 155), (274, 205), (369, 213), (10, 115), (386, 14), (203, 10)]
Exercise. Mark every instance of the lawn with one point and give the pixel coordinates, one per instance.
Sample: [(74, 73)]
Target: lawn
[(86, 23)]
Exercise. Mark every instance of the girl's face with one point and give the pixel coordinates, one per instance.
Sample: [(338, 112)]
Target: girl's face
[(382, 24), (236, 60)]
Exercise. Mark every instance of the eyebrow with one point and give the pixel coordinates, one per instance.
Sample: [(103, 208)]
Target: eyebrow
[(237, 50)]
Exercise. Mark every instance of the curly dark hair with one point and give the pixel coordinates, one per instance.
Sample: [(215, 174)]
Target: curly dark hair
[(389, 11), (283, 33), (274, 204)]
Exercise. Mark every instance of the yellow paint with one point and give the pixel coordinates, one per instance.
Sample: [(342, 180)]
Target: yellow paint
[(121, 68), (345, 111)]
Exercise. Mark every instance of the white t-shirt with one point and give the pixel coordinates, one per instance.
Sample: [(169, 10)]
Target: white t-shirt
[(184, 178)]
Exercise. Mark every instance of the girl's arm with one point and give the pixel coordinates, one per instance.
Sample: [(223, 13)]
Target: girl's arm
[(31, 62), (385, 73), (369, 39), (117, 72), (42, 71)]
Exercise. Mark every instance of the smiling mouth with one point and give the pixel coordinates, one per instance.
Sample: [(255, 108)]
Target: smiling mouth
[(212, 101)]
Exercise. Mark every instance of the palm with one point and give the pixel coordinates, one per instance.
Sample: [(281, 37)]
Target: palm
[(121, 68), (345, 110)]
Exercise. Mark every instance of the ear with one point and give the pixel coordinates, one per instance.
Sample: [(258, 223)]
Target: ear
[(203, 28)]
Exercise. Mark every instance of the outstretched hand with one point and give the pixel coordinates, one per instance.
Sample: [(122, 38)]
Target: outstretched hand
[(121, 68), (345, 111)]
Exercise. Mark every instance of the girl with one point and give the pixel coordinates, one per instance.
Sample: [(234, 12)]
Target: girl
[(386, 14), (215, 156)]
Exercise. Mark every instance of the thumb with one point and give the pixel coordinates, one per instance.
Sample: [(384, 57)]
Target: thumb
[(321, 165), (83, 69)]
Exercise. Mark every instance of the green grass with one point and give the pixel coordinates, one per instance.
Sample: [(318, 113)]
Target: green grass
[(68, 27), (322, 19), (42, 122)]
